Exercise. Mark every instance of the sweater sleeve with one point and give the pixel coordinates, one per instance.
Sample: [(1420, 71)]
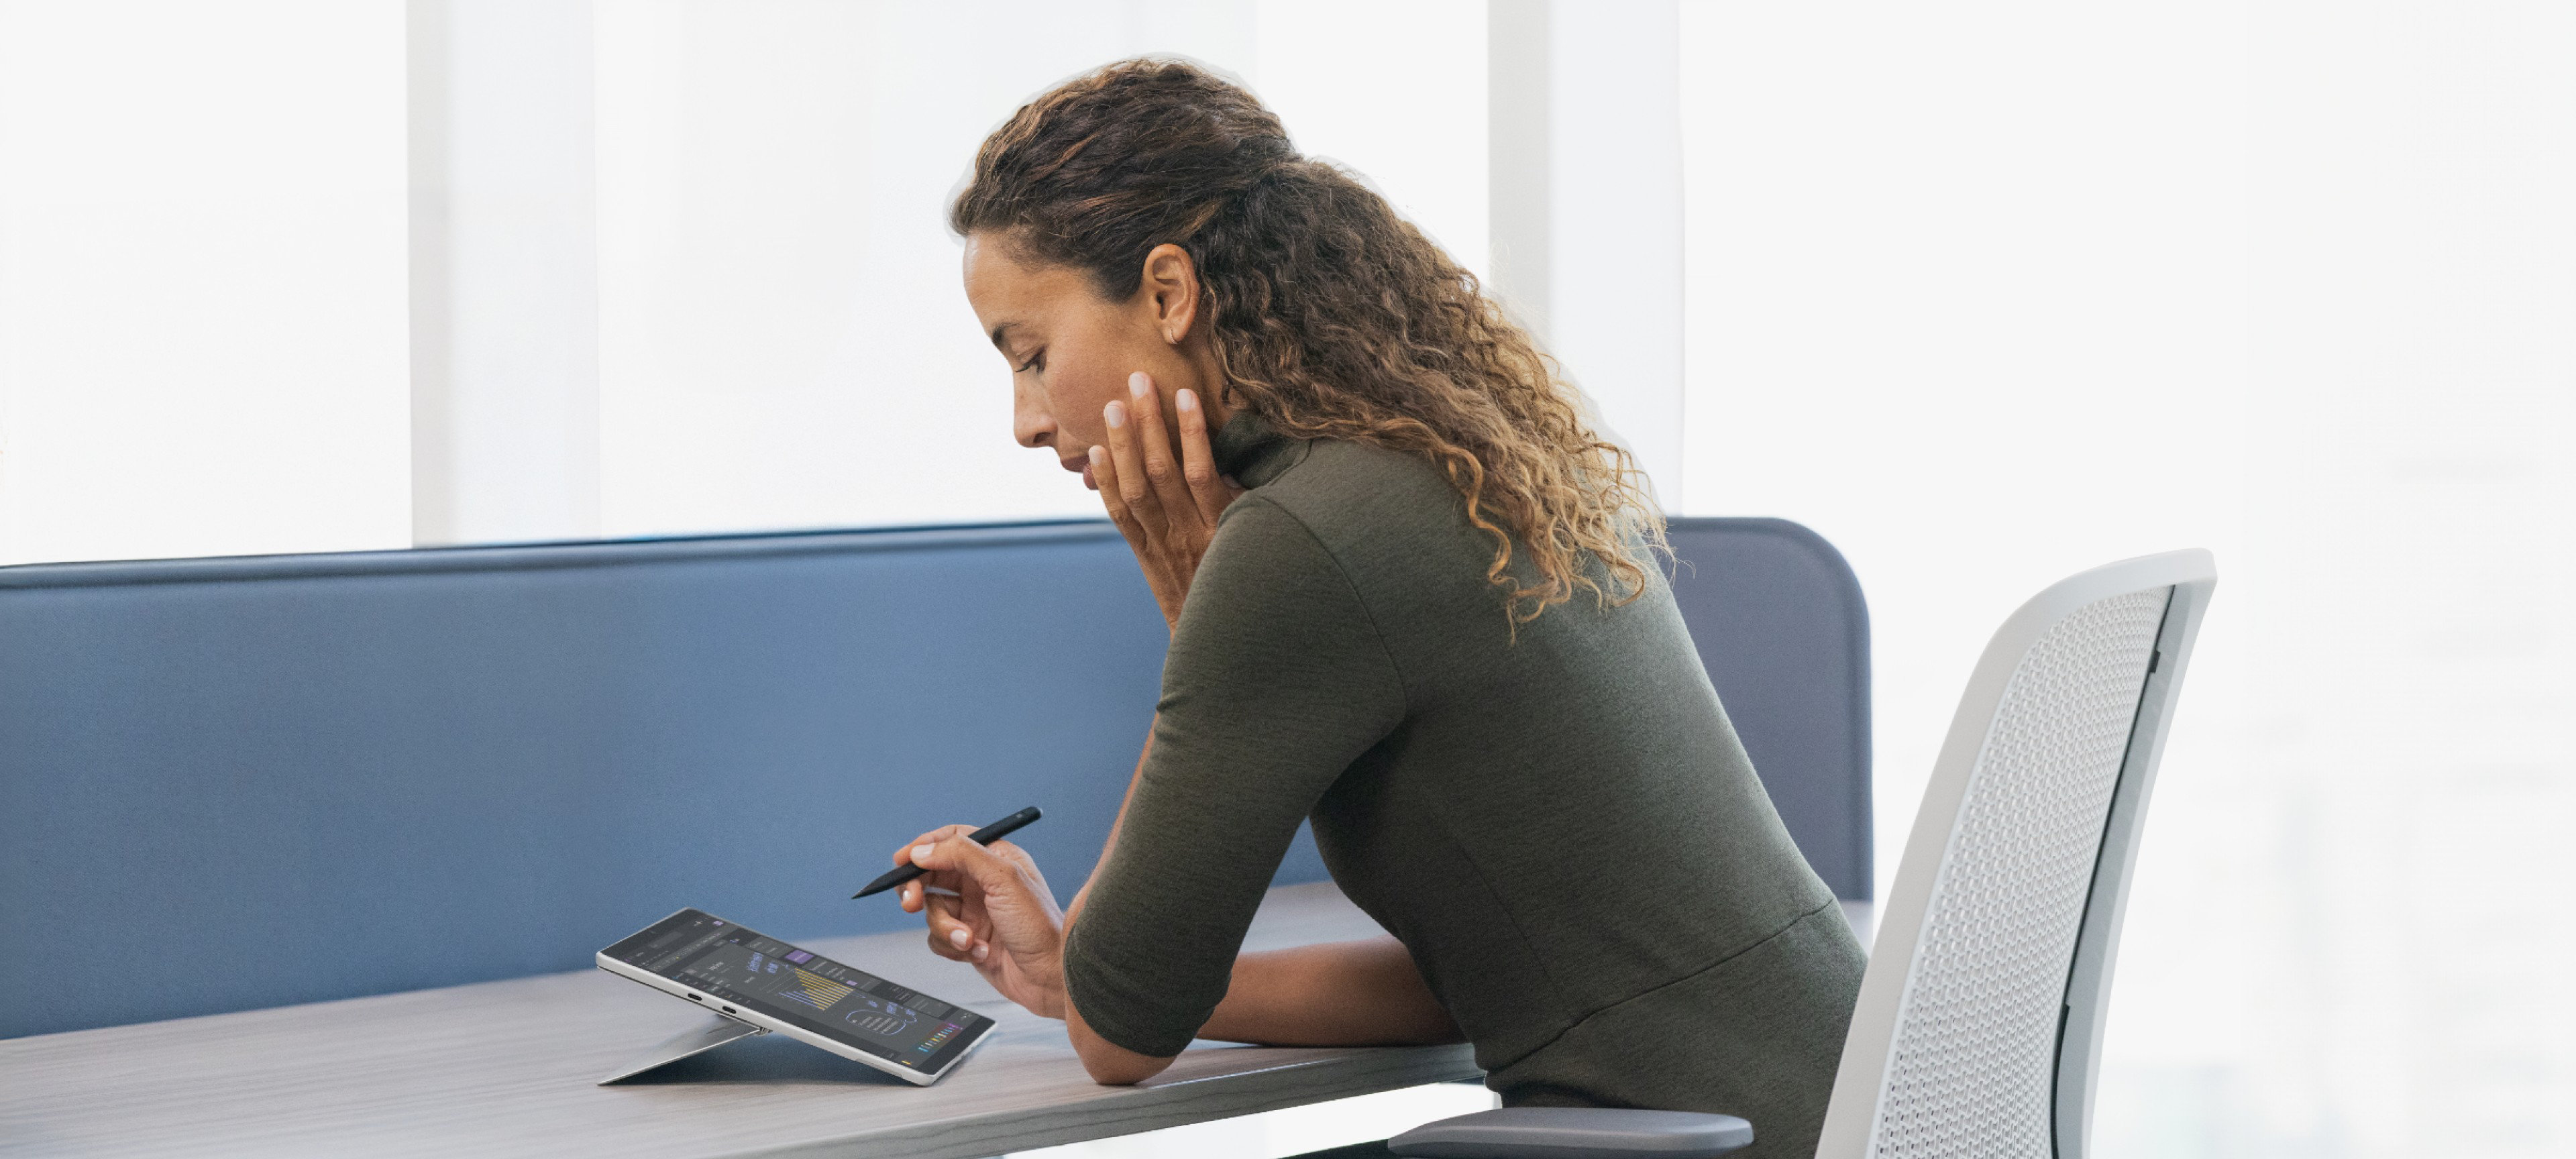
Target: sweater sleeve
[(1275, 683)]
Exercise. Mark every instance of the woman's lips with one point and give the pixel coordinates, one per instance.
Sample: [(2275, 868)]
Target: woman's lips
[(1082, 467)]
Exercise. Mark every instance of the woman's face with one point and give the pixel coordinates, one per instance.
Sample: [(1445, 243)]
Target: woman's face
[(1071, 351)]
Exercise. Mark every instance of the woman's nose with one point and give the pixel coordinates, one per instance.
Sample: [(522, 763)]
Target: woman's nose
[(1031, 422), (1033, 428)]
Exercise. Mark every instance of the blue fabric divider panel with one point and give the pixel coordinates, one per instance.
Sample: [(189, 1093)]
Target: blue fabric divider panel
[(1783, 631), (237, 783)]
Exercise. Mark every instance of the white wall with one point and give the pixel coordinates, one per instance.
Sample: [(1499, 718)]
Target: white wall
[(784, 343), (1396, 92), (201, 278), (504, 272), (1614, 315), (1586, 193)]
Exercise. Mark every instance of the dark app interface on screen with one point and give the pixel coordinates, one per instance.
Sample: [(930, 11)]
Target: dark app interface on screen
[(796, 986)]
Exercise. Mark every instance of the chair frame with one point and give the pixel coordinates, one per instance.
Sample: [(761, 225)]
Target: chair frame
[(1860, 1082)]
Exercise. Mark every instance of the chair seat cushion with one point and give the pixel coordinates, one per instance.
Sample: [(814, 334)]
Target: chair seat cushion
[(1575, 1133)]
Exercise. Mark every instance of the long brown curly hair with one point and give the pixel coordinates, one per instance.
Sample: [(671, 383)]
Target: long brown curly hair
[(1330, 315)]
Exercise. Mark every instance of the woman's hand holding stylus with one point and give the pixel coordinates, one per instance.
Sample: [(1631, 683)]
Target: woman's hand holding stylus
[(1165, 503), (993, 909), (989, 906)]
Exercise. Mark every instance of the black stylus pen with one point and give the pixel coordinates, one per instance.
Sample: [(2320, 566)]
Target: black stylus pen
[(984, 836)]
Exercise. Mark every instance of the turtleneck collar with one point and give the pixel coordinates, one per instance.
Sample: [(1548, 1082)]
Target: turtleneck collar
[(1249, 450)]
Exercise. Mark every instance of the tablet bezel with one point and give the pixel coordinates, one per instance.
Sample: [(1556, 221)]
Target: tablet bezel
[(735, 1009)]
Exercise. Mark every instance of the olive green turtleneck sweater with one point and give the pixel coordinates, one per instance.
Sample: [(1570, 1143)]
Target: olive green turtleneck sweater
[(1561, 828)]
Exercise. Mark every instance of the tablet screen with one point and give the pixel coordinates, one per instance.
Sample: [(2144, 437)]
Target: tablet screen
[(804, 989)]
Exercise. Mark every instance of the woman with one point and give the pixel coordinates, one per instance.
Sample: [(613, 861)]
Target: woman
[(1413, 598)]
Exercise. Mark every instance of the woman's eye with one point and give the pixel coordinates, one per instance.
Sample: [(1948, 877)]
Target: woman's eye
[(1036, 361)]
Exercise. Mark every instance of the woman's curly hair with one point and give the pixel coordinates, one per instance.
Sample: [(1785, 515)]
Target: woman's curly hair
[(1330, 315)]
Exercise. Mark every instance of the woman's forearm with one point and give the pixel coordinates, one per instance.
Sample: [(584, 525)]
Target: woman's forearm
[(1335, 994), (1364, 993)]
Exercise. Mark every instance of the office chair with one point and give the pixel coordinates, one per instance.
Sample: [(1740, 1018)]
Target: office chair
[(1980, 1019)]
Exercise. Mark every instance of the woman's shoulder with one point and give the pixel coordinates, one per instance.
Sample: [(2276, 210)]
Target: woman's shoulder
[(1374, 510), (1338, 487)]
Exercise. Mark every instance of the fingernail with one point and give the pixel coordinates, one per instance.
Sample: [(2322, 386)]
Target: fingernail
[(1186, 399), (1099, 455), (1138, 384), (1116, 414), (921, 853), (982, 951), (958, 938)]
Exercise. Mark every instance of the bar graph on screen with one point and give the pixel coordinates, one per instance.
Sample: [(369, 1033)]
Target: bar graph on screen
[(814, 990)]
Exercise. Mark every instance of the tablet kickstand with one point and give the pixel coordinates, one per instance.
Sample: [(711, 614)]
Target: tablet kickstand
[(695, 1040)]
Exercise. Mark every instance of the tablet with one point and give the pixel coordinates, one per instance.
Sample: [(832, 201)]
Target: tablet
[(758, 980)]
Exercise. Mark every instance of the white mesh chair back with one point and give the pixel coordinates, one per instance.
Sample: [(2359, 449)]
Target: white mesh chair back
[(1979, 1022)]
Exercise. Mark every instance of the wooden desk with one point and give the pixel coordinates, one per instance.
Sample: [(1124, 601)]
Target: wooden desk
[(507, 1068)]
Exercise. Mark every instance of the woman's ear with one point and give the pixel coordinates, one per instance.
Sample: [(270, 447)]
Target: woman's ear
[(1171, 287)]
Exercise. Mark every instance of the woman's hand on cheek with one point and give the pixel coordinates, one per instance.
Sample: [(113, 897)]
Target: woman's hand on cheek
[(1166, 504), (990, 906)]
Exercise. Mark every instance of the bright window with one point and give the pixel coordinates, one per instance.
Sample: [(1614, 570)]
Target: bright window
[(1990, 293), (783, 339), (202, 334)]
